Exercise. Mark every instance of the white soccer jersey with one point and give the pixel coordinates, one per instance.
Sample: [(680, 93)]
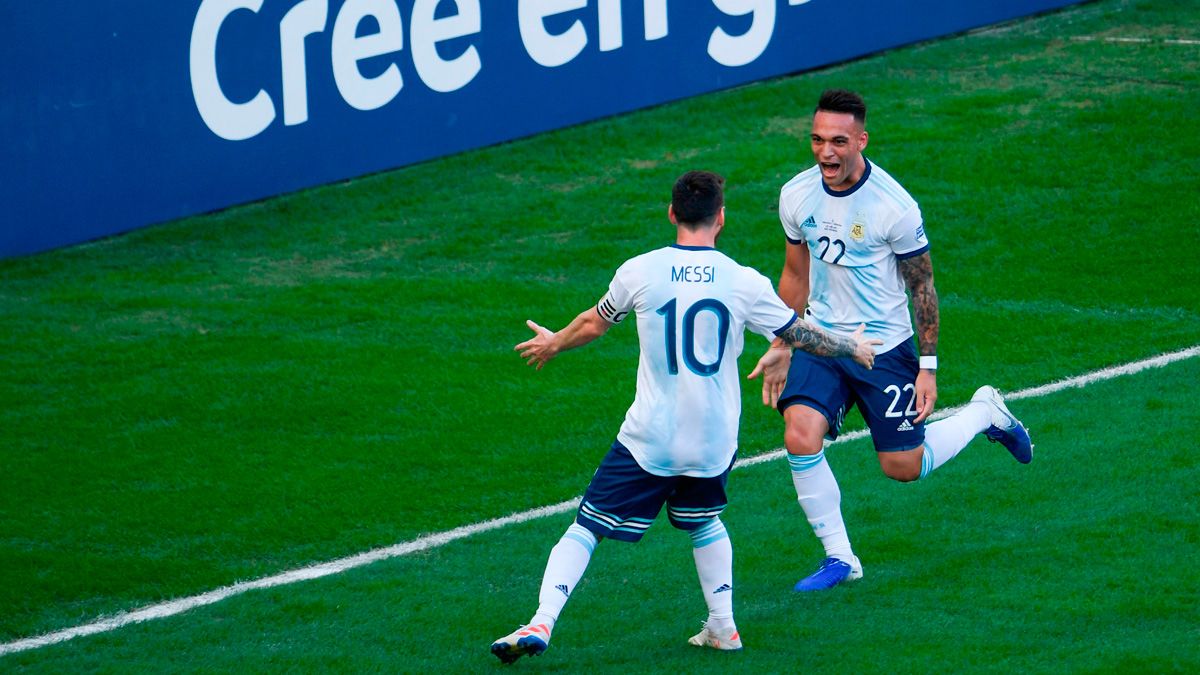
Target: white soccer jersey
[(692, 306), (855, 239)]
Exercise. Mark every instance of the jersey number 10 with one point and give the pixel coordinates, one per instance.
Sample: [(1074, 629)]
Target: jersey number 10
[(668, 311)]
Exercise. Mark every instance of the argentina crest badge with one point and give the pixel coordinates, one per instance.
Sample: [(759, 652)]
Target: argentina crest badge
[(858, 227)]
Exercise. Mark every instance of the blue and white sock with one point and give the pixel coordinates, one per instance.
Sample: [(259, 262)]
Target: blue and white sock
[(821, 498), (568, 560), (946, 438), (714, 565)]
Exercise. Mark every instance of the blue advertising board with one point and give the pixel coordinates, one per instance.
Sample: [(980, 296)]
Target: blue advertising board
[(118, 114)]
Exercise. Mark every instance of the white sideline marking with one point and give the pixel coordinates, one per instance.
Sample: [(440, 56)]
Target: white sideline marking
[(1070, 383), (173, 607), (1140, 41)]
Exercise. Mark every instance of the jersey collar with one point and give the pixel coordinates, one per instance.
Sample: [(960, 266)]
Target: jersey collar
[(693, 248), (861, 181)]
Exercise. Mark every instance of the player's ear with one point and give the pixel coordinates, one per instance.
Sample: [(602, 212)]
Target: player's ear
[(862, 141), (671, 214)]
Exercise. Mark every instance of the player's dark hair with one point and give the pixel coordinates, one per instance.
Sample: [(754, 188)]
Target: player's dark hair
[(697, 198), (843, 101)]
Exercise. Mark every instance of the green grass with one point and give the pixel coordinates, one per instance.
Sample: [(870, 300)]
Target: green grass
[(986, 566), (241, 393)]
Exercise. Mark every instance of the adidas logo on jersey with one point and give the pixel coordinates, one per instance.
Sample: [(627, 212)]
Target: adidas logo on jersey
[(809, 222), (904, 426), (723, 588)]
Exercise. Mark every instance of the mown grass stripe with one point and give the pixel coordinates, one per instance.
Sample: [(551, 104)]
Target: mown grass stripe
[(316, 571)]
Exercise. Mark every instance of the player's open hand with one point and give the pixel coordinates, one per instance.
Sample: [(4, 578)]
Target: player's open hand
[(864, 349), (773, 366), (540, 348)]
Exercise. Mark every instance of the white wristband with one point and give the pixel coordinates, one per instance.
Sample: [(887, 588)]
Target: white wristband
[(928, 363)]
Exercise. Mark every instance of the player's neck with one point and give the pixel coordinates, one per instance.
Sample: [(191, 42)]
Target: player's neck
[(853, 177), (704, 236), (701, 236)]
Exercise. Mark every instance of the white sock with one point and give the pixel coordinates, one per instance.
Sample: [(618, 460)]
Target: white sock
[(568, 560), (714, 565), (821, 498), (946, 438)]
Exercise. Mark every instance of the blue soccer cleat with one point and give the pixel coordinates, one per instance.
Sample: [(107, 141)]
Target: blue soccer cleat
[(1005, 429), (832, 572), (525, 641)]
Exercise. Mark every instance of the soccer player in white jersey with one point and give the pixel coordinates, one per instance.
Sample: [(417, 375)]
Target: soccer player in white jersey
[(856, 253), (678, 441)]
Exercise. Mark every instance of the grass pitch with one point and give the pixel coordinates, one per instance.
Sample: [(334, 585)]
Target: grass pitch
[(301, 379)]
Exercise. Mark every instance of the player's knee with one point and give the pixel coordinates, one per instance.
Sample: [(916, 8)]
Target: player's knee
[(904, 468), (800, 440), (903, 474)]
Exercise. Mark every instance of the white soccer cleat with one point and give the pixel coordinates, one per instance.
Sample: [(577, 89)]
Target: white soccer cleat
[(524, 641), (726, 639), (1006, 429)]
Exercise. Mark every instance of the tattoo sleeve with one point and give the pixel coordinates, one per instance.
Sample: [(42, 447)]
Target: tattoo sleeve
[(811, 339), (917, 272)]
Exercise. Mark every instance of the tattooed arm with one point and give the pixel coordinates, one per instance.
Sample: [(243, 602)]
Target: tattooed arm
[(810, 338), (917, 272), (546, 344), (803, 335), (918, 277)]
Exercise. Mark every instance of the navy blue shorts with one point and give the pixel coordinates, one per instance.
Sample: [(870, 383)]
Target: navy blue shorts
[(623, 499), (885, 395)]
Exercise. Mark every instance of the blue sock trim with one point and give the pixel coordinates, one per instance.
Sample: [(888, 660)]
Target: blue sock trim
[(710, 533), (582, 535), (926, 461), (802, 463)]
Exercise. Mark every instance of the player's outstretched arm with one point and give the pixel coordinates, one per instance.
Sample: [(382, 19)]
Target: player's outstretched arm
[(773, 365), (546, 344), (810, 338)]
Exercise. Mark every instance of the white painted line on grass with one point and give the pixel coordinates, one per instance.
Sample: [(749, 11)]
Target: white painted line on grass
[(1106, 374), (1070, 383), (173, 607), (1140, 41)]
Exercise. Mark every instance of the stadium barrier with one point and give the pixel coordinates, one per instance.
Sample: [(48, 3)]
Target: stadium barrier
[(117, 115)]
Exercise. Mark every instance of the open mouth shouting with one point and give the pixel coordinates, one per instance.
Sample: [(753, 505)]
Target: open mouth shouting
[(831, 171)]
